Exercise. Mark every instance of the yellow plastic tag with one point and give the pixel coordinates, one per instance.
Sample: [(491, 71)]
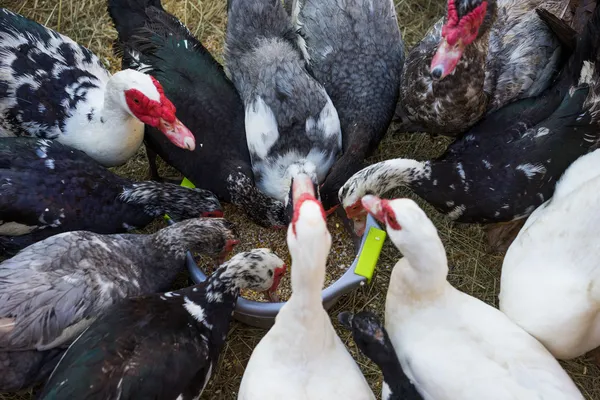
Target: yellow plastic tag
[(369, 254)]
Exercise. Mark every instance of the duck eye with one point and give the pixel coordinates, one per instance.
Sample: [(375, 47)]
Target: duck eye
[(136, 101)]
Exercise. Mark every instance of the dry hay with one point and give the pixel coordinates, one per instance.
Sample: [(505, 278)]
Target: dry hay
[(472, 270)]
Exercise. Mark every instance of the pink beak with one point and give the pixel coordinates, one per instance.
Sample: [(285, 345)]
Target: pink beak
[(178, 134), (445, 59), (302, 185), (373, 205)]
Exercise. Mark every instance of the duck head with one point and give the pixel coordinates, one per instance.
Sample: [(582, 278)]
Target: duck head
[(466, 20), (259, 270), (350, 198), (406, 223), (143, 97), (413, 233), (215, 237), (308, 239), (302, 170), (177, 201), (369, 335)]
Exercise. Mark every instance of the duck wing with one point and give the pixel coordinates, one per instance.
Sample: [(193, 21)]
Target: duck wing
[(131, 352), (206, 100), (48, 187), (44, 77), (53, 289)]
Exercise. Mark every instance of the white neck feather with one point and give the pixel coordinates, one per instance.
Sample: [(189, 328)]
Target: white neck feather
[(384, 176), (421, 276), (112, 135)]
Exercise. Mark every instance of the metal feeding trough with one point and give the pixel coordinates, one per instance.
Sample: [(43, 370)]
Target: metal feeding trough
[(263, 315)]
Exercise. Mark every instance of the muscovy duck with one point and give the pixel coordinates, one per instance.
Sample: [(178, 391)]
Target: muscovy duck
[(163, 345), (153, 40), (47, 188), (373, 340), (302, 356), (507, 164), (442, 335), (53, 289), (550, 283), (54, 88), (355, 51), (292, 127), (483, 55)]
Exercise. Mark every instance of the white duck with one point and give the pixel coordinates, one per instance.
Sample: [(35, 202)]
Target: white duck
[(451, 345), (302, 357), (54, 88), (550, 282)]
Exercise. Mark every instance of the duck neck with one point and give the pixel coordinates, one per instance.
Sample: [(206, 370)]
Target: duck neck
[(384, 176), (308, 279), (179, 238), (421, 275), (159, 198), (263, 209), (108, 134)]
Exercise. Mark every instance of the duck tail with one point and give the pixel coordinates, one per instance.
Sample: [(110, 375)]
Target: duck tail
[(585, 62), (130, 15)]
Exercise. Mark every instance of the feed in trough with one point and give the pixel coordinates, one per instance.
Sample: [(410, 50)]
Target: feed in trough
[(252, 236)]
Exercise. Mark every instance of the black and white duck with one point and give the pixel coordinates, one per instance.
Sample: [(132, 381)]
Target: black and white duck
[(508, 164), (54, 88), (54, 289), (483, 55), (292, 127), (48, 188), (154, 41), (161, 346), (372, 339), (355, 51)]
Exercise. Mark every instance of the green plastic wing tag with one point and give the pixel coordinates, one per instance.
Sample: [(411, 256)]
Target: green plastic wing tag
[(369, 254)]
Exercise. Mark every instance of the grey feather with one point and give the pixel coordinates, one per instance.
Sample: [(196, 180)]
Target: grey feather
[(266, 64), (55, 288)]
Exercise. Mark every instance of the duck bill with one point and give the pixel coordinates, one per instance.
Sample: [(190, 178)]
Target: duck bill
[(360, 224), (302, 185), (374, 206), (332, 210), (178, 134), (446, 58)]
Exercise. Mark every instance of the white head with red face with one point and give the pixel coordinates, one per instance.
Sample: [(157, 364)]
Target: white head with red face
[(462, 26), (308, 238), (143, 97), (406, 223)]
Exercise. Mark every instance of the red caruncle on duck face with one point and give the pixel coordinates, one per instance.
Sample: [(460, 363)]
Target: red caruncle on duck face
[(457, 33), (161, 115)]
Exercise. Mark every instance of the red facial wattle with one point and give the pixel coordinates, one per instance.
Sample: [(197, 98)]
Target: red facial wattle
[(213, 214), (390, 215), (456, 35), (227, 249), (298, 204), (332, 210), (277, 275), (355, 209), (161, 115)]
